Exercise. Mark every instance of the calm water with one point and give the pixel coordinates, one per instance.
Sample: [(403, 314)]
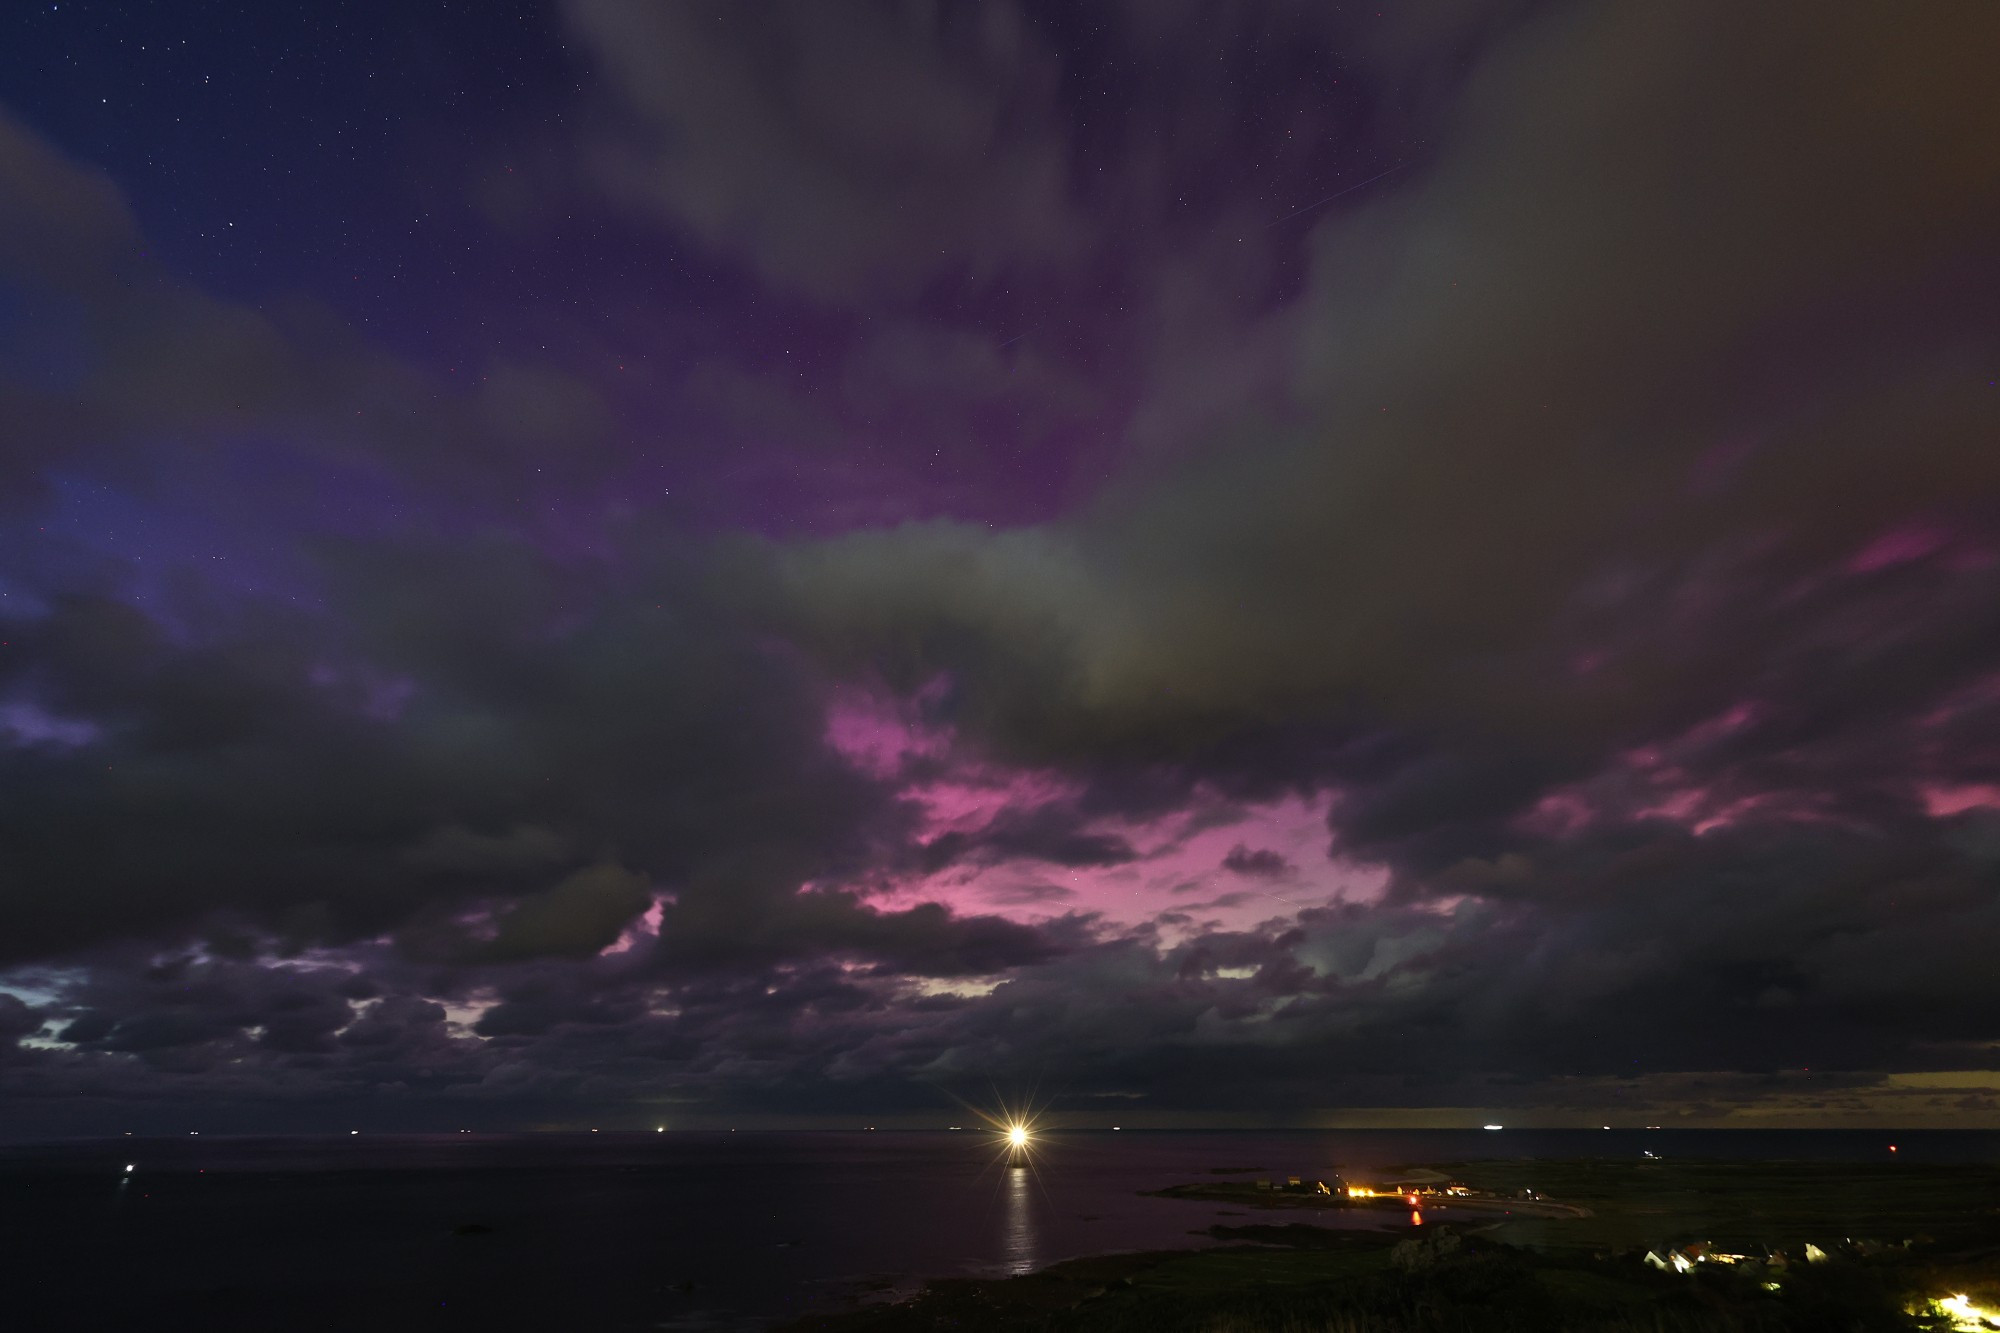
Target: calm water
[(608, 1231)]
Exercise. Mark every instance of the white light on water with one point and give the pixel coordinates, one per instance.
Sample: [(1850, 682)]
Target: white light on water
[(1016, 1131), (1495, 1126)]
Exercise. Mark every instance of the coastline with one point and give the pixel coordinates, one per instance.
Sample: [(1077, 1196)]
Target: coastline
[(1760, 1246)]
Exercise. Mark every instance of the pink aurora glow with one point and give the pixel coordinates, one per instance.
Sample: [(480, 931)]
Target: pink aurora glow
[(1176, 880), (1659, 781), (1942, 802), (1898, 546)]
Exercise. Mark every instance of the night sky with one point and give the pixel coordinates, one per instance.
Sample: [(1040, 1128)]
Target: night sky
[(625, 562)]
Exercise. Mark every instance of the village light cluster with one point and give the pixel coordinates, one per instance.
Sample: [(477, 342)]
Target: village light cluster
[(1965, 1316), (1407, 1190)]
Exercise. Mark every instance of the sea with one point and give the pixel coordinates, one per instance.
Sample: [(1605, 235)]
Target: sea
[(675, 1231)]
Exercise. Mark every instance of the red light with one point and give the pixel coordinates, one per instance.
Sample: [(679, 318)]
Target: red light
[(1416, 1218)]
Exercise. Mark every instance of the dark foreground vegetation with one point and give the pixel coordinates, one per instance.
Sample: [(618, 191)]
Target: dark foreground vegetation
[(1585, 1275), (1304, 1279)]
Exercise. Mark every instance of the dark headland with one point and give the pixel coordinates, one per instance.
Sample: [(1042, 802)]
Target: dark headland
[(1529, 1247)]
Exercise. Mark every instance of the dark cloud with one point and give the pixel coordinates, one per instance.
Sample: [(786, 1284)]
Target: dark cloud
[(256, 767), (884, 144), (111, 353), (1415, 542), (18, 1018), (1261, 863), (1052, 833), (578, 917)]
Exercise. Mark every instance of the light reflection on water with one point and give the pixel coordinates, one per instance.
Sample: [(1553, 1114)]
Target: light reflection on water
[(1018, 1243), (763, 1225)]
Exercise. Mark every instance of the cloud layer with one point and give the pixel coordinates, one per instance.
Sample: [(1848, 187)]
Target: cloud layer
[(1238, 565)]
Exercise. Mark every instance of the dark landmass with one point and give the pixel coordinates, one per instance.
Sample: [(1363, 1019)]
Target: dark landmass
[(1739, 1205), (1247, 1195), (1765, 1248), (1309, 1196), (1305, 1279)]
